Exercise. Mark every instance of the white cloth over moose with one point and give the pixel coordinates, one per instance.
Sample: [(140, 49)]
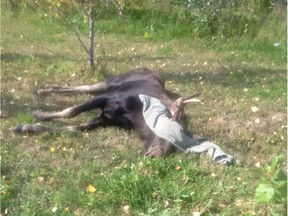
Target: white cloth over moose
[(157, 117)]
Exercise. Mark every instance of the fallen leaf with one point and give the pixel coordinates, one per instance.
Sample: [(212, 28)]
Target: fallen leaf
[(254, 109), (239, 202), (141, 165), (52, 149), (166, 204), (258, 164), (54, 209), (154, 194), (222, 205), (196, 214), (90, 189), (77, 211), (251, 212), (126, 209), (40, 178)]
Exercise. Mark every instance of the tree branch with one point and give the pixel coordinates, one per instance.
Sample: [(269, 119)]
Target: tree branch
[(71, 26)]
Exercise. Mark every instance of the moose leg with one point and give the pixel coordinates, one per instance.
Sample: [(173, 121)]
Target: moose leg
[(35, 128), (89, 89), (104, 86), (93, 103)]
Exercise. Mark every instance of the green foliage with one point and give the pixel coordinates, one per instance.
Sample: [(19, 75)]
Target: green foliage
[(276, 189), (207, 19), (264, 193)]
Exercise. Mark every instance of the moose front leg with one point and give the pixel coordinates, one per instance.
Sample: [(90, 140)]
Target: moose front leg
[(93, 103)]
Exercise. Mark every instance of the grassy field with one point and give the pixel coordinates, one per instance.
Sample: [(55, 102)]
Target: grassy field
[(104, 172)]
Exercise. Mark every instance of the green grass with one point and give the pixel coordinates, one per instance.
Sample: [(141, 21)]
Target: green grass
[(48, 174)]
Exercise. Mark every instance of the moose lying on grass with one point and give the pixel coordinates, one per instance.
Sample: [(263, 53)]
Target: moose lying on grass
[(134, 100)]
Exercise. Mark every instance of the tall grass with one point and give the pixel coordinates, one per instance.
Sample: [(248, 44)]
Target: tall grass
[(206, 19)]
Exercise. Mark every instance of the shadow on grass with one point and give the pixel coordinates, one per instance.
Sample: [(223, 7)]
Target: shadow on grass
[(128, 58), (237, 77), (11, 106), (22, 57)]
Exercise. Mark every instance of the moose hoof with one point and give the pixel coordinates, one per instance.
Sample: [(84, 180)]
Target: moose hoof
[(26, 128), (18, 129), (40, 116), (47, 89)]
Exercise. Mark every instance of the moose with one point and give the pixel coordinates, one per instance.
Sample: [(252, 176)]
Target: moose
[(118, 100)]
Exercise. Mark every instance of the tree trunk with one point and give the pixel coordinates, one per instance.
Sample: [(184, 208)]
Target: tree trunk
[(91, 35)]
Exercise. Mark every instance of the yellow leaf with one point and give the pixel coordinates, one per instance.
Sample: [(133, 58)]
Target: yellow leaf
[(222, 205), (52, 149), (127, 209), (254, 109), (251, 212), (54, 209), (166, 204), (154, 194), (90, 188), (146, 35), (239, 202)]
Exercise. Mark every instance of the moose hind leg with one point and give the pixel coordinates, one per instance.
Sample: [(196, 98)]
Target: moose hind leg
[(104, 86), (88, 89)]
